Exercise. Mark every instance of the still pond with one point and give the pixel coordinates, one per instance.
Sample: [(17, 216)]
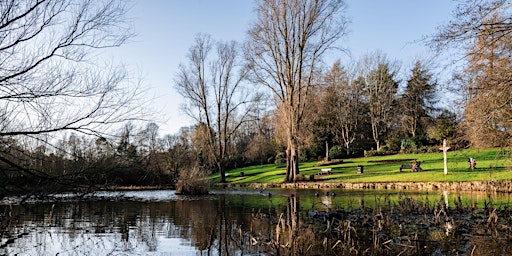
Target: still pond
[(258, 222)]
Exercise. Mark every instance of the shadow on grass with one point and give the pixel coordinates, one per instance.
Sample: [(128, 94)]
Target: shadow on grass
[(391, 160), (477, 170), (245, 174), (325, 179)]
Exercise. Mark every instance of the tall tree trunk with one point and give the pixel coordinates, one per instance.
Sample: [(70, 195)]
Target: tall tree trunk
[(293, 223), (375, 134), (292, 160), (284, 47), (289, 176), (327, 151), (222, 172)]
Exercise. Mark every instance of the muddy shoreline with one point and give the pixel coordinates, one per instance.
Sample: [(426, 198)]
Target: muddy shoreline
[(502, 186)]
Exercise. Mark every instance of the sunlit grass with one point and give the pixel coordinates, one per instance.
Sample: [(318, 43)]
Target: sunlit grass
[(492, 164)]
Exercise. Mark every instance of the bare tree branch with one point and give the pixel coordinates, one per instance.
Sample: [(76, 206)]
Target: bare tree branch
[(213, 87), (286, 44)]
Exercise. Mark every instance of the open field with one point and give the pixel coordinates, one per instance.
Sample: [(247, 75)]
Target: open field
[(492, 164)]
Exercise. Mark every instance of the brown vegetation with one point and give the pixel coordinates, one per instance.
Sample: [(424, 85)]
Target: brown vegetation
[(192, 182), (480, 30), (406, 227)]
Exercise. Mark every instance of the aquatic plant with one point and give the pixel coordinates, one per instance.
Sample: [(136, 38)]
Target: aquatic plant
[(409, 226)]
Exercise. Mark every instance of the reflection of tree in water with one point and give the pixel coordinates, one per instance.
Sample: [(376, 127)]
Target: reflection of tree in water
[(298, 239), (198, 222), (222, 229), (217, 226), (407, 227), (211, 226)]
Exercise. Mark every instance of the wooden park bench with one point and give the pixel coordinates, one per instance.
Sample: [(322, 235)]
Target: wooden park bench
[(325, 171), (409, 167), (405, 166)]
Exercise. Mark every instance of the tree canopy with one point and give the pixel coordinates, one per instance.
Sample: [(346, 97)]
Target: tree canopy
[(284, 50)]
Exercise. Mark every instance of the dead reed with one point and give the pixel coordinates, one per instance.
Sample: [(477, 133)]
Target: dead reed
[(192, 182), (404, 227)]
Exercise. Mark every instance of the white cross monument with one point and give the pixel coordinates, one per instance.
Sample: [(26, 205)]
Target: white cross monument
[(444, 149)]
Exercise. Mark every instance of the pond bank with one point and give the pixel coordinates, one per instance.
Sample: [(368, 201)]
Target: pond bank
[(503, 186)]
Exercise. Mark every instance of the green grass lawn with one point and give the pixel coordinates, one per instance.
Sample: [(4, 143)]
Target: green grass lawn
[(492, 164)]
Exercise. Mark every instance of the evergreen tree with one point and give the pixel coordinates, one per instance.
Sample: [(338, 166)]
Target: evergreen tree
[(417, 101), (445, 126)]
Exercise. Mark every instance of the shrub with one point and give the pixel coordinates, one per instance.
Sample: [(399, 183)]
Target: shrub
[(192, 182), (330, 162), (303, 156), (303, 177), (408, 146), (280, 158), (414, 144), (337, 152), (393, 143), (370, 153), (383, 152)]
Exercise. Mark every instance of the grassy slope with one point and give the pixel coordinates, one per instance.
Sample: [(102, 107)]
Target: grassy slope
[(492, 164)]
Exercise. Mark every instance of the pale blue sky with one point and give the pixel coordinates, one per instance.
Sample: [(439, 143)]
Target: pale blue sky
[(166, 28)]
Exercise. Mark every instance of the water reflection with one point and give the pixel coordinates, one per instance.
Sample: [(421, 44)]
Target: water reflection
[(249, 222), (207, 225)]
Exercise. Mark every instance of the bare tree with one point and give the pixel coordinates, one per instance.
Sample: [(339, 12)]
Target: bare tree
[(212, 85), (378, 76), (470, 18), (346, 94), (49, 78), (285, 47), (262, 145), (482, 31), (48, 81), (488, 84), (148, 140)]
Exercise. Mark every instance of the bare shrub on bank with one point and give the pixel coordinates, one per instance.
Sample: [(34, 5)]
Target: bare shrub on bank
[(192, 182)]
